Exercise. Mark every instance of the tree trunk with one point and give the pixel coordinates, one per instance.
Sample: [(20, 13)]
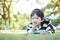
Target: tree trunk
[(6, 14)]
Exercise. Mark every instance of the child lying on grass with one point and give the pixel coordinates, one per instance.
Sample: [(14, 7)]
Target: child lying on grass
[(35, 27)]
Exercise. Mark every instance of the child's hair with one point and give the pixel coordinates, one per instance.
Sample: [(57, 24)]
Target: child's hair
[(38, 12)]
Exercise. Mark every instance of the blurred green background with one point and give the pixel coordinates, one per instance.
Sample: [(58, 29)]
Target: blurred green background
[(12, 18)]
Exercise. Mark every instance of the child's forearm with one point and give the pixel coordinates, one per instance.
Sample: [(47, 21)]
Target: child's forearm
[(45, 32), (31, 31), (33, 28)]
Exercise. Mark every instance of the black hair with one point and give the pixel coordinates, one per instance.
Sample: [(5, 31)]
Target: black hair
[(38, 12)]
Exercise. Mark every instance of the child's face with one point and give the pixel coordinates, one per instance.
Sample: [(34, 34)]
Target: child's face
[(36, 20)]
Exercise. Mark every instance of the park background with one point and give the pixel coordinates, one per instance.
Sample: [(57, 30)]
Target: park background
[(15, 16)]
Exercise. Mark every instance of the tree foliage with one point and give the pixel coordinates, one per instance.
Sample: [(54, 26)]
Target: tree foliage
[(54, 5), (19, 20)]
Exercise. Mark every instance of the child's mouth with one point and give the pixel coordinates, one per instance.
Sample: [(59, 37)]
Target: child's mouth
[(35, 22)]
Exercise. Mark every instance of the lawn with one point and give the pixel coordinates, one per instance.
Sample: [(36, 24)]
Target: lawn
[(16, 36)]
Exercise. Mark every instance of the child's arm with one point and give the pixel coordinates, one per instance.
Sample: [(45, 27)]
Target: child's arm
[(49, 30), (31, 29), (43, 32)]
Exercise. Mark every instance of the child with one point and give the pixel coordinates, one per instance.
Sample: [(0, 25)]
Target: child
[(35, 27)]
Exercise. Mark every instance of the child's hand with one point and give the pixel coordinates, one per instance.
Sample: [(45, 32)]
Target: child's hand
[(43, 32), (33, 27)]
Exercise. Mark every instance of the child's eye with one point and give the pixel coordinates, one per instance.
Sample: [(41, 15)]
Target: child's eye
[(32, 18), (36, 18)]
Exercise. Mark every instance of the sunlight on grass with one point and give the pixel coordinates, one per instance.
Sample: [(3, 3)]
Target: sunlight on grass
[(14, 31)]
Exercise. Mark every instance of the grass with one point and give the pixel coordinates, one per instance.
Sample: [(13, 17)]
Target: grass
[(14, 36)]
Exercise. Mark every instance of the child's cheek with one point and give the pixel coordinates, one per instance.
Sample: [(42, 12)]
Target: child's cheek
[(36, 22)]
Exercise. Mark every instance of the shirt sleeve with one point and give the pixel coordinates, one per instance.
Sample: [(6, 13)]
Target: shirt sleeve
[(49, 30), (29, 29), (30, 32)]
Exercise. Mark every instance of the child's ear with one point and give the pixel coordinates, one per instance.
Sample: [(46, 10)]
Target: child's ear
[(42, 20)]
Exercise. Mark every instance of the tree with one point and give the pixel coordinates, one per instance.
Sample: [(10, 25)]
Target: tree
[(6, 12), (54, 5)]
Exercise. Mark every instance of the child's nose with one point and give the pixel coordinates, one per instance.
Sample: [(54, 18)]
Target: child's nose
[(35, 19)]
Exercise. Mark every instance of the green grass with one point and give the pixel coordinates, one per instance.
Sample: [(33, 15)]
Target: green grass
[(6, 36)]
